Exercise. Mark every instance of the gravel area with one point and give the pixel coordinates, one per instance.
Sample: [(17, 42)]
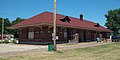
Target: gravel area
[(8, 49)]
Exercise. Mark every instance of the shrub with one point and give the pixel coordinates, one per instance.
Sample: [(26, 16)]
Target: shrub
[(6, 41), (14, 41), (1, 41)]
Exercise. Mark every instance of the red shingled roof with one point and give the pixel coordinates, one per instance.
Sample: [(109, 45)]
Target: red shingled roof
[(47, 18)]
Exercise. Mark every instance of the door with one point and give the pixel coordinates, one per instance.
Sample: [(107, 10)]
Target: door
[(30, 34)]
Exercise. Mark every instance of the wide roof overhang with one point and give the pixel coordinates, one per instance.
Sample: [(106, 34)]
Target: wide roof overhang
[(59, 25)]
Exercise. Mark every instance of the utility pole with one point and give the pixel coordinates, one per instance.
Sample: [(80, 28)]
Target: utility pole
[(2, 27), (54, 28)]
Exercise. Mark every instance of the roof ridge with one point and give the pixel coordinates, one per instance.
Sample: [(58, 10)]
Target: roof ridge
[(70, 16)]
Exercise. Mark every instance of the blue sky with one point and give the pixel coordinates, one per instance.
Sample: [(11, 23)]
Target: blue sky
[(93, 10)]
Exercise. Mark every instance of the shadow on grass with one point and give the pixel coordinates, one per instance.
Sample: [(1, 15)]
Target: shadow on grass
[(60, 52)]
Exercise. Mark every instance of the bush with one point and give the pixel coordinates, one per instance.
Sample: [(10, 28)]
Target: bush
[(9, 41), (6, 41), (14, 41), (1, 41)]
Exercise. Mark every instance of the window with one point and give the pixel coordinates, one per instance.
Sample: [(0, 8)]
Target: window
[(31, 30), (37, 32)]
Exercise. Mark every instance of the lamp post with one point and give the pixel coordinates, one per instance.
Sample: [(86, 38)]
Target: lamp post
[(54, 24)]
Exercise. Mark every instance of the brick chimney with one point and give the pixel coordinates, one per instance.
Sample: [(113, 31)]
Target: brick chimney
[(81, 16)]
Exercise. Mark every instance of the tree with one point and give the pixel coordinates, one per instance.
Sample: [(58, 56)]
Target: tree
[(6, 25), (18, 20), (0, 25), (113, 21), (14, 31)]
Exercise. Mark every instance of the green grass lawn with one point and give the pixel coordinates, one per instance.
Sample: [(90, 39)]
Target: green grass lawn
[(106, 52)]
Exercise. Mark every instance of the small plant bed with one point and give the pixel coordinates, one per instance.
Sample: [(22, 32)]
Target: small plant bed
[(8, 41)]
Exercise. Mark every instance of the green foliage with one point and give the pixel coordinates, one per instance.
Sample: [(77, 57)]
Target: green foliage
[(7, 24), (14, 41), (1, 41), (6, 41), (14, 31), (18, 20), (113, 20)]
